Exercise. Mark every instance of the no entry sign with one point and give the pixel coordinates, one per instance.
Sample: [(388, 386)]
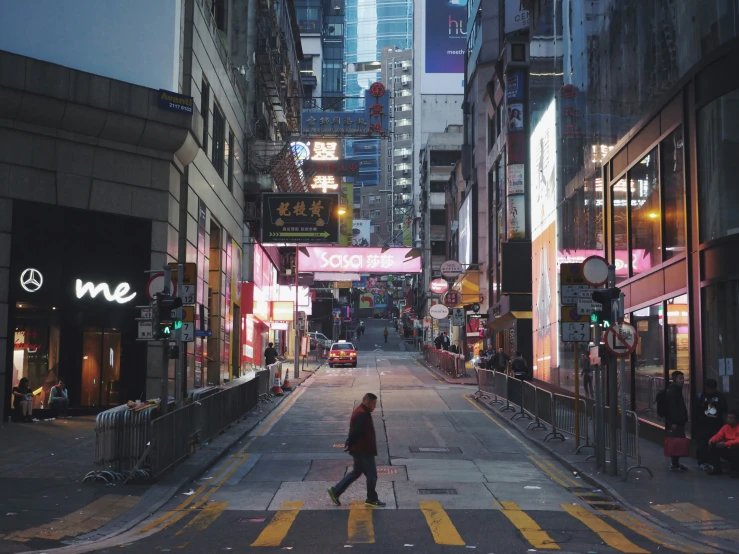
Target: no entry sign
[(621, 339)]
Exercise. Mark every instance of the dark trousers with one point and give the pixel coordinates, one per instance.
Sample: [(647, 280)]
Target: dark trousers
[(680, 434), (59, 406), (587, 382), (731, 454), (385, 338), (703, 432), (363, 464)]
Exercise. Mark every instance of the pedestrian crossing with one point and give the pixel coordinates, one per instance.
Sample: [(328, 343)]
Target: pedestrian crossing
[(573, 529)]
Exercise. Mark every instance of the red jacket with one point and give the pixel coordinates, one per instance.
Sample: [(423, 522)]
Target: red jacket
[(362, 439), (728, 434)]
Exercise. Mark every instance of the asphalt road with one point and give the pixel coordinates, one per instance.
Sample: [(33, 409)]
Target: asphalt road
[(454, 479)]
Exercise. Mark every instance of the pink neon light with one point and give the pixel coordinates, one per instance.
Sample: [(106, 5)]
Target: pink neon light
[(352, 260)]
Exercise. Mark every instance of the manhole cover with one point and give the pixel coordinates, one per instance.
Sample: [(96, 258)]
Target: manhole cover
[(436, 449), (437, 491)]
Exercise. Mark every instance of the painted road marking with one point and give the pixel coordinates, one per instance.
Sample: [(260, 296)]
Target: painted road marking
[(648, 531), (610, 536), (277, 530), (205, 517), (360, 528), (284, 407), (441, 526), (685, 512), (86, 519), (531, 531)]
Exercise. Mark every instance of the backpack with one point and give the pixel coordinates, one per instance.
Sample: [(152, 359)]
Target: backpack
[(663, 404)]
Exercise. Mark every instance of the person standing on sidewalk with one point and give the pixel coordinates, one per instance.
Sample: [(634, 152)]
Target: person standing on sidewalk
[(677, 414), (386, 333), (708, 418), (362, 445), (587, 374), (519, 367), (270, 354), (725, 444), (500, 361)]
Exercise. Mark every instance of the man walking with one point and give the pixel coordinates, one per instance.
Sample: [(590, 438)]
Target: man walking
[(519, 367), (500, 361), (362, 445), (677, 414), (708, 418)]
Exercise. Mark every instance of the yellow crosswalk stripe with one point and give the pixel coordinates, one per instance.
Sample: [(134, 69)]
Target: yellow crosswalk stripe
[(440, 524), (360, 528), (610, 536), (653, 534), (205, 517), (276, 531), (685, 512), (528, 527)]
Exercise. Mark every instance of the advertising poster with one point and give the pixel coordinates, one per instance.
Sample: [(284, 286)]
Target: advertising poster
[(514, 182), (407, 231), (446, 35), (290, 217), (346, 221), (361, 232), (545, 317), (515, 117), (516, 17), (514, 86), (516, 222), (465, 232)]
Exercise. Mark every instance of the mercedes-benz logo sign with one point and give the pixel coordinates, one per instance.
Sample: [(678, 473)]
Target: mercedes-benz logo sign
[(31, 280)]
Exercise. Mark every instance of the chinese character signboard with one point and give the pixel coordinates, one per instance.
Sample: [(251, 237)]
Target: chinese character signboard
[(373, 121), (340, 168), (300, 218), (346, 198)]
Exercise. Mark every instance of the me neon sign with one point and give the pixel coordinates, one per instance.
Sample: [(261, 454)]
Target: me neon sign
[(120, 294)]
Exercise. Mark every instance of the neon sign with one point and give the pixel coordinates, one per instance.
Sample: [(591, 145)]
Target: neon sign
[(118, 295)]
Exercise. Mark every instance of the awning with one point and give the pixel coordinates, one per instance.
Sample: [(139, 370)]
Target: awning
[(469, 285), (336, 276)]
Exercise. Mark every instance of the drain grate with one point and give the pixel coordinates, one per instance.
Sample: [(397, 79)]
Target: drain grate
[(606, 506), (437, 491), (435, 449)]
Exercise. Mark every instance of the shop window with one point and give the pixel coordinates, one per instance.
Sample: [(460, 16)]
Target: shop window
[(219, 137), (649, 362), (678, 341), (720, 307), (619, 223), (645, 214), (205, 112), (36, 351), (673, 191), (718, 165), (101, 370)]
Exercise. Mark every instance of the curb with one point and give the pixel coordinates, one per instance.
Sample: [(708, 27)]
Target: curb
[(603, 485), (73, 544)]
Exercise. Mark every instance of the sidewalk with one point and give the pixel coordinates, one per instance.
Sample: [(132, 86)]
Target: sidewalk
[(45, 505), (691, 503), (471, 380)]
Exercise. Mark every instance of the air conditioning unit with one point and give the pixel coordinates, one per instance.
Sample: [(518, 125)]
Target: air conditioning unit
[(406, 172), (405, 156), (406, 67)]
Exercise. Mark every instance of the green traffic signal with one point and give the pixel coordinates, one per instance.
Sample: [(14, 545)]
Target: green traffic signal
[(166, 330), (178, 324), (593, 318)]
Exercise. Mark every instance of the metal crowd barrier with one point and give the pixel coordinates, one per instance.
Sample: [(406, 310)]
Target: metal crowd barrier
[(632, 440), (565, 417), (486, 385), (516, 396), (530, 406)]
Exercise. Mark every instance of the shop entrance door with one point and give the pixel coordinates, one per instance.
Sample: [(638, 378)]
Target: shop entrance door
[(101, 367)]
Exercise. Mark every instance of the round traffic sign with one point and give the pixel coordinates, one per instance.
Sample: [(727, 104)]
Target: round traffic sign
[(439, 311), (621, 339), (451, 269), (595, 270), (439, 286), (156, 284)]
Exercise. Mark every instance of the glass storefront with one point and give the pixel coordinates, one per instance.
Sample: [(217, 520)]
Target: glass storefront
[(673, 194), (720, 306), (645, 214)]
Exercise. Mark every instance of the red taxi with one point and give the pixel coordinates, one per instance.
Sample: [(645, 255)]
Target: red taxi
[(342, 353)]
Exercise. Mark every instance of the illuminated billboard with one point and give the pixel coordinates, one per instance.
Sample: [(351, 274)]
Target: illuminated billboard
[(465, 232), (543, 164), (446, 35), (354, 259)]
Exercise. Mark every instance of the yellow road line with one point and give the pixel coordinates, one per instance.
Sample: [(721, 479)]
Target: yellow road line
[(360, 527), (499, 424), (205, 517), (610, 536), (549, 472), (562, 473), (531, 531), (276, 531), (441, 526), (429, 371), (648, 531), (161, 519), (685, 512)]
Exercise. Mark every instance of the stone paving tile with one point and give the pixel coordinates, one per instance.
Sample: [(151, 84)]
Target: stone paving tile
[(470, 496)]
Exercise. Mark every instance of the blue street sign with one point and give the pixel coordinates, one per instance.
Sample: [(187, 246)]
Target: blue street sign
[(207, 333)]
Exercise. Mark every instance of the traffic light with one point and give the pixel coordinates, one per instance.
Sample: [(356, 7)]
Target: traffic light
[(166, 320), (605, 315)]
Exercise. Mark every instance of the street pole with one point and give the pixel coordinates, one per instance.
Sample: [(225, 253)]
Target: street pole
[(600, 435), (612, 394), (622, 373), (296, 362), (577, 396), (179, 383), (164, 383)]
